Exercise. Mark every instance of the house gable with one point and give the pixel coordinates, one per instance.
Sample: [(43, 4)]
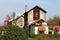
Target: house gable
[(34, 14), (38, 8)]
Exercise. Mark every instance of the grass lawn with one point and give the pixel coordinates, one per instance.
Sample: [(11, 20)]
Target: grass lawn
[(45, 37), (31, 39)]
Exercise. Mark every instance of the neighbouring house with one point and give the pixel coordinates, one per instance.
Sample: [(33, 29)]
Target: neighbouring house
[(54, 29), (18, 21), (57, 29), (33, 20)]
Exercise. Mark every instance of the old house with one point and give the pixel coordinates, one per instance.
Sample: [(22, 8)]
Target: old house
[(32, 20)]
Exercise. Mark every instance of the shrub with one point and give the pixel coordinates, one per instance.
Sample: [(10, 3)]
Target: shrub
[(44, 37), (32, 35), (14, 33)]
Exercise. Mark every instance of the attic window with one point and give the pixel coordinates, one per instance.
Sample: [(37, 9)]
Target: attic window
[(36, 15)]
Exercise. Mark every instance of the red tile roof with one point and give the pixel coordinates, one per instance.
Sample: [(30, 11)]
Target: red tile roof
[(55, 27)]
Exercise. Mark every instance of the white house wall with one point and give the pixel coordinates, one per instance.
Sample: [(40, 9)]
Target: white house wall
[(42, 15), (30, 17), (20, 21), (36, 30), (46, 30)]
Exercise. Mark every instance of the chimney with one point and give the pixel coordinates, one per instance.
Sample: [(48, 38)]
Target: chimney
[(25, 8)]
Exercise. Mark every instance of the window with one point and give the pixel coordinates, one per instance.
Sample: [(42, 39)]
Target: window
[(36, 12), (21, 22), (36, 15)]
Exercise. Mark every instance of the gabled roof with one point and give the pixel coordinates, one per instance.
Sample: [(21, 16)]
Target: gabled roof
[(17, 18), (38, 8), (29, 11)]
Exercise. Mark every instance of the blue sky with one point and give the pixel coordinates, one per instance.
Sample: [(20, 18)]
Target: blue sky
[(8, 6)]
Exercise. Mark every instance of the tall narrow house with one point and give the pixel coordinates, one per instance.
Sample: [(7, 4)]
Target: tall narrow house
[(34, 14), (34, 18)]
